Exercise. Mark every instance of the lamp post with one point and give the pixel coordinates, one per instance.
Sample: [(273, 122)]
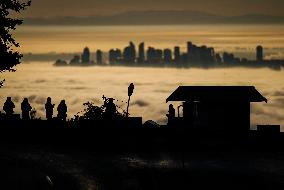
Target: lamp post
[(130, 92)]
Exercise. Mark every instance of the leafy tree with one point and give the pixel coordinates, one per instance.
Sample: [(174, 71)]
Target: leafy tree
[(9, 57), (93, 112)]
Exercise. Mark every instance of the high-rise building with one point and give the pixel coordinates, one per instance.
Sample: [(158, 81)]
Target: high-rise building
[(154, 56), (158, 56), (114, 56), (206, 55), (199, 55), (228, 58), (190, 52), (111, 56), (86, 55), (99, 55), (141, 52), (259, 54), (167, 55), (129, 54), (151, 55), (177, 54), (189, 47)]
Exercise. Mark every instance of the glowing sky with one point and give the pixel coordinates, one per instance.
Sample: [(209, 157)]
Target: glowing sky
[(47, 8)]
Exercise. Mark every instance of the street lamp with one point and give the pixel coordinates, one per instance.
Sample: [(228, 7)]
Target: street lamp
[(130, 92)]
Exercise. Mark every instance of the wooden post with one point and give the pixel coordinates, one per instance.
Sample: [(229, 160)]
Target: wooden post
[(128, 106)]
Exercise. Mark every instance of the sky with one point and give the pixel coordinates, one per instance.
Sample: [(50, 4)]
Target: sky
[(54, 8)]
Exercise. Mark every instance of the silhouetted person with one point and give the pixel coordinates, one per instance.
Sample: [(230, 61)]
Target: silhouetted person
[(172, 111), (49, 108), (171, 115), (9, 107), (26, 108), (110, 108), (62, 111)]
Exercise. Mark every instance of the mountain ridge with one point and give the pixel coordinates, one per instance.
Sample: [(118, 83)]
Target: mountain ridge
[(166, 17)]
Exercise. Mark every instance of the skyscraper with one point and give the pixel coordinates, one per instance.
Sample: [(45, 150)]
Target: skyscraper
[(167, 56), (151, 55), (259, 54), (86, 55), (129, 54), (177, 54), (99, 55), (189, 47), (114, 56), (141, 52), (158, 56)]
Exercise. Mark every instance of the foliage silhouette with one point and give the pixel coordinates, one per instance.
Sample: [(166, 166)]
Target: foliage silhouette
[(9, 57), (93, 112), (33, 115)]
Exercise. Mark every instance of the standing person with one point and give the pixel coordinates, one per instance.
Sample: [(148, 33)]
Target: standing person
[(49, 108), (172, 111), (110, 108), (26, 108), (62, 110), (171, 115), (9, 107)]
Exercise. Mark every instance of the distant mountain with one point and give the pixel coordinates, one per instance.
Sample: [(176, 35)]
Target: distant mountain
[(158, 18)]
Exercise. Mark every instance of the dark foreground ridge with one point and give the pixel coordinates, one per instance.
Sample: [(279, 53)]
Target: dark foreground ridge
[(209, 116), (207, 144)]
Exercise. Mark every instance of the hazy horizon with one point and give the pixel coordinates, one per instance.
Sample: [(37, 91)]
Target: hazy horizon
[(236, 39), (42, 8)]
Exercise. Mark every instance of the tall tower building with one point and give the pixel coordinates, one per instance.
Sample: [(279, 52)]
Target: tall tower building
[(189, 48), (167, 56), (177, 54), (115, 56), (259, 54), (129, 54), (151, 55), (86, 55), (141, 52), (99, 55)]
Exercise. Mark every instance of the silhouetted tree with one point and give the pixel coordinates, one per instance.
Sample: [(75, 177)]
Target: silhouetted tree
[(107, 110), (33, 114), (9, 57)]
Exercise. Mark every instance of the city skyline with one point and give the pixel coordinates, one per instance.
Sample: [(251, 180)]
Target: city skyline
[(194, 56)]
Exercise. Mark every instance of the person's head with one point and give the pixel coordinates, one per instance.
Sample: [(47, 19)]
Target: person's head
[(25, 100), (48, 99), (171, 106), (9, 99), (111, 100), (62, 102)]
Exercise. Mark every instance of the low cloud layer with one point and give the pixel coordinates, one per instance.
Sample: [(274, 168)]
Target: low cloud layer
[(140, 103), (153, 86)]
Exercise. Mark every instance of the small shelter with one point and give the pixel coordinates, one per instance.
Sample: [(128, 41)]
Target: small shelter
[(216, 107)]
